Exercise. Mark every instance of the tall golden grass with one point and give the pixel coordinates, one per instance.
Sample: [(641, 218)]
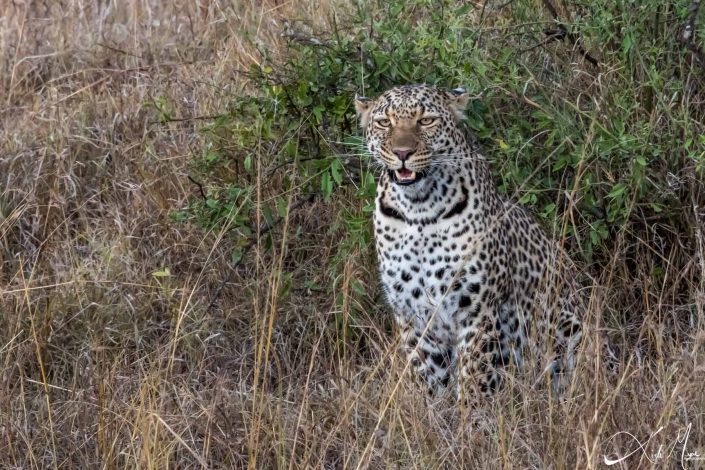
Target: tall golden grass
[(111, 355)]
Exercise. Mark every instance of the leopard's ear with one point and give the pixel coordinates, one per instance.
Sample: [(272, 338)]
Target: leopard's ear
[(363, 106), (458, 100)]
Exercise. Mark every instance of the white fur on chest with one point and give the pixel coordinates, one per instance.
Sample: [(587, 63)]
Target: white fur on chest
[(425, 271)]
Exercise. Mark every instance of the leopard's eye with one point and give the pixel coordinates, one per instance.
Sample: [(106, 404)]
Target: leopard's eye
[(384, 123), (427, 121)]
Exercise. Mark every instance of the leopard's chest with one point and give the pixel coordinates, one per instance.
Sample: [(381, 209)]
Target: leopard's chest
[(425, 269)]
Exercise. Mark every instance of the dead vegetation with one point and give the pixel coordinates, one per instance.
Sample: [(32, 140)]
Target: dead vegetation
[(113, 354)]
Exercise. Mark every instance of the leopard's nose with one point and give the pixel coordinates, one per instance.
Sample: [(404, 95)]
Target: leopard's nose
[(403, 153)]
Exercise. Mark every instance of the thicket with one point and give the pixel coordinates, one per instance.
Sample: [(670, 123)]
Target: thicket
[(591, 114)]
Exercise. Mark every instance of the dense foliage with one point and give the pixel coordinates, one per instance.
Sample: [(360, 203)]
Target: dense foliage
[(593, 116)]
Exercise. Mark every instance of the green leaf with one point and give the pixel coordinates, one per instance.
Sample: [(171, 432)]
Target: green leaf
[(358, 287), (335, 171), (627, 43), (211, 157), (318, 112), (236, 255), (267, 214), (246, 231), (617, 190), (326, 185), (163, 273), (656, 207), (463, 10), (594, 238), (285, 285), (282, 208)]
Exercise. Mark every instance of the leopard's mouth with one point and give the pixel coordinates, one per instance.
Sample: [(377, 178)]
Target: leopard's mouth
[(404, 176)]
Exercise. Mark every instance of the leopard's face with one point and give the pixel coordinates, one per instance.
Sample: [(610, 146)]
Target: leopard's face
[(412, 129)]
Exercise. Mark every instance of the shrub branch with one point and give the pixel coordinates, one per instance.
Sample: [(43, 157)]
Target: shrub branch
[(688, 32), (563, 33), (253, 241)]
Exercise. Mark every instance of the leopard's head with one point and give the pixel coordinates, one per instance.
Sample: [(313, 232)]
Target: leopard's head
[(410, 129)]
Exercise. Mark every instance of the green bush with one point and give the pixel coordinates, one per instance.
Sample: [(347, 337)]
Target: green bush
[(608, 153)]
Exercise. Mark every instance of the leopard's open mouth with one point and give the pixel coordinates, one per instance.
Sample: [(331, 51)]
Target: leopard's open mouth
[(404, 176)]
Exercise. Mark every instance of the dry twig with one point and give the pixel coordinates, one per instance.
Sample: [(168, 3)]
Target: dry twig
[(563, 33), (688, 33)]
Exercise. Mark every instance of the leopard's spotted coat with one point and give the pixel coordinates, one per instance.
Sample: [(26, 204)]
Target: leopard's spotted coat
[(471, 277)]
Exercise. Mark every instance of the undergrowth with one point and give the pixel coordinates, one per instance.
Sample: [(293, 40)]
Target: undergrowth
[(602, 136), (187, 271)]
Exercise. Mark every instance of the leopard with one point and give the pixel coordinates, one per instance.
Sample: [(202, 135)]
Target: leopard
[(472, 279)]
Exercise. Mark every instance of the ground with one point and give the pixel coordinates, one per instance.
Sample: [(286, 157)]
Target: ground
[(120, 345)]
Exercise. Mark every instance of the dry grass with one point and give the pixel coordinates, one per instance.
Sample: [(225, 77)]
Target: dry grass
[(109, 360)]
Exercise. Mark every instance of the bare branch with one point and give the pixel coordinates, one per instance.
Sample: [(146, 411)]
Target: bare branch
[(253, 241), (563, 33), (687, 33)]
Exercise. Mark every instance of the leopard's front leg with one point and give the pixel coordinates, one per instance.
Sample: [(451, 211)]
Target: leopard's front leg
[(430, 357), (480, 355)]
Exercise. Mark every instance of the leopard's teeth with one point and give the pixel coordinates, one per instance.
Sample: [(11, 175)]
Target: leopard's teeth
[(410, 176)]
